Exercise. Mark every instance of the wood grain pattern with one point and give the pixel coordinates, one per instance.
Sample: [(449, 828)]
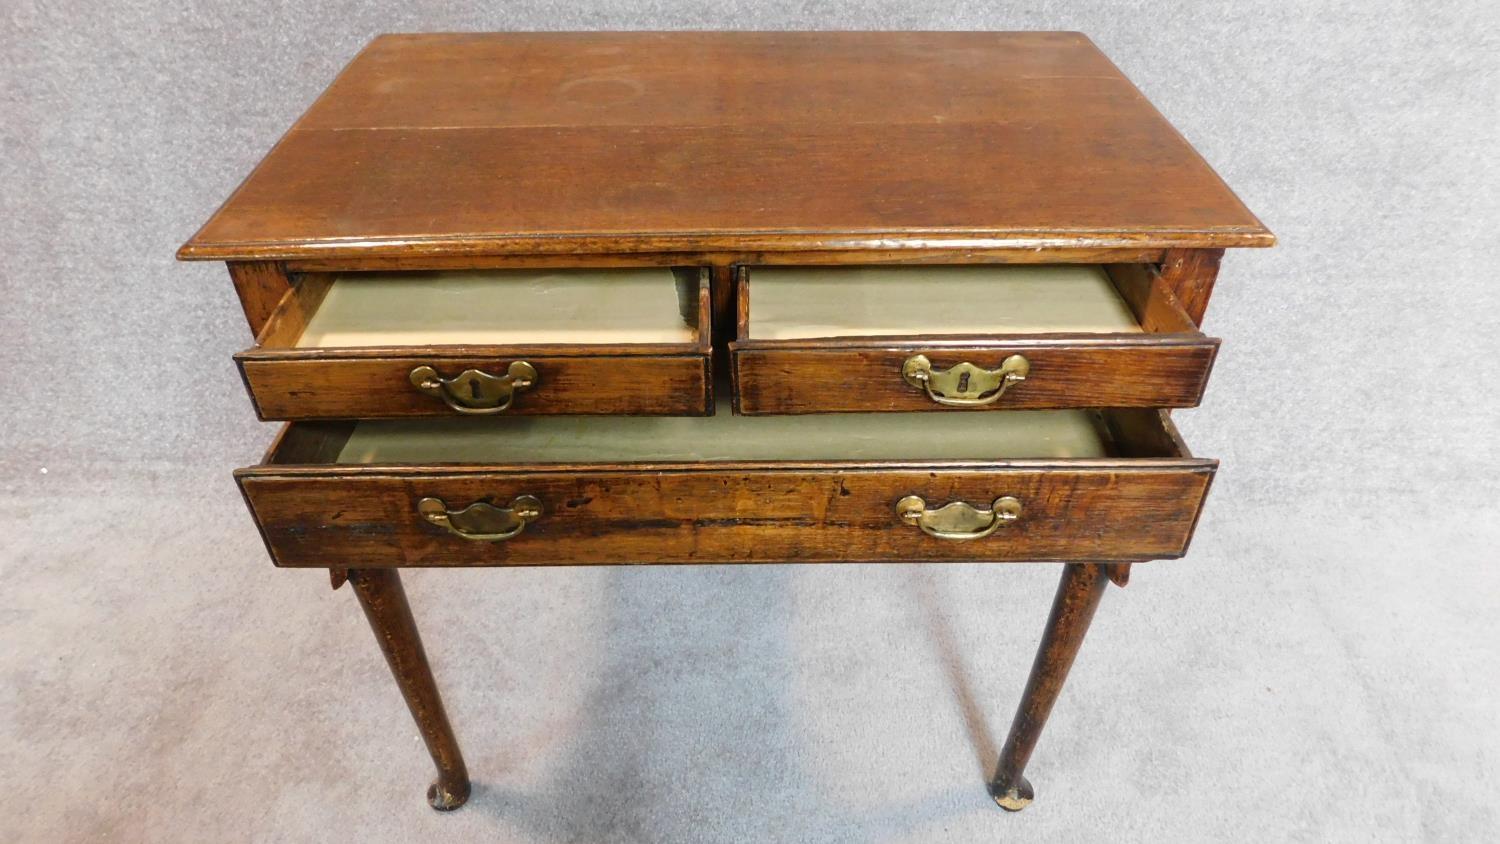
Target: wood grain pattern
[(1078, 594), (1191, 273), (1142, 506), (713, 79), (1167, 366), (308, 443), (297, 307), (1150, 298), (261, 286), (624, 143), (741, 303), (1074, 510), (718, 151), (911, 251), (287, 383), (1066, 371), (383, 599), (333, 387), (1144, 432)]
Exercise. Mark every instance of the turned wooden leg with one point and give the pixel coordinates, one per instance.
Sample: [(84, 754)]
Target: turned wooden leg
[(1077, 597), (384, 601)]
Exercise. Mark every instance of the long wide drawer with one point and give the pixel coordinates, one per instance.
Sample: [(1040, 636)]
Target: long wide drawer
[(963, 338), (485, 343), (1063, 485)]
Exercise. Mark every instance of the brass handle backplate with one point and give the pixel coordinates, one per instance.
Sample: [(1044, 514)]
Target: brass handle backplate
[(958, 521), (964, 385), (475, 391), (483, 522)]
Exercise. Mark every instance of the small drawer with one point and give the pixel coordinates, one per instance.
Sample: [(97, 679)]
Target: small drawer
[(944, 338), (1023, 486), (484, 343)]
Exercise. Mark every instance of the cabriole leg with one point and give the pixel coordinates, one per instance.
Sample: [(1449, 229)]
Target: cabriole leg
[(384, 601), (1077, 597)]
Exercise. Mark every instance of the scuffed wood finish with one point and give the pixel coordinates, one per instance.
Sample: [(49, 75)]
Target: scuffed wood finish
[(1078, 595), (1066, 371), (693, 79), (335, 387), (1118, 508), (703, 514), (1191, 273), (721, 151), (287, 383), (911, 252), (627, 143), (724, 318), (741, 303), (297, 307), (383, 599), (1152, 301), (1167, 366), (311, 443), (261, 286)]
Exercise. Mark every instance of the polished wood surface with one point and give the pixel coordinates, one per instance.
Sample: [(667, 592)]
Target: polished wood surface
[(605, 382), (908, 252), (383, 598), (1126, 510), (1191, 274), (1165, 364), (288, 382), (586, 143), (1140, 505), (717, 153), (1066, 371), (1078, 594), (262, 287)]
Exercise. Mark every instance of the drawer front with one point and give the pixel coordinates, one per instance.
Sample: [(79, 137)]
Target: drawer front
[(513, 342), (818, 513), (831, 340), (773, 378), (384, 387)]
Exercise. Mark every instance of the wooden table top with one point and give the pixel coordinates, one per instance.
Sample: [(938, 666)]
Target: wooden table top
[(604, 143)]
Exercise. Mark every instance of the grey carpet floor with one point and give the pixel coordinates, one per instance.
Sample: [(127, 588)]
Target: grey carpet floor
[(162, 682)]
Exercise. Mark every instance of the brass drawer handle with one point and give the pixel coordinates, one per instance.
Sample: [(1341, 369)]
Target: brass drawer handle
[(483, 522), (964, 385), (475, 391), (958, 521)]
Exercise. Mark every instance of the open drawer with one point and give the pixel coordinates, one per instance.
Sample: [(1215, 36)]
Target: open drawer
[(1029, 485), (485, 342), (847, 339)]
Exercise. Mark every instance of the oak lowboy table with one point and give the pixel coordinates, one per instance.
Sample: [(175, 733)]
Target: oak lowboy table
[(541, 299)]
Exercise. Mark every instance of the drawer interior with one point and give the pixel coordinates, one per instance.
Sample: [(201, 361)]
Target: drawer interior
[(726, 437), (489, 307), (810, 303)]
